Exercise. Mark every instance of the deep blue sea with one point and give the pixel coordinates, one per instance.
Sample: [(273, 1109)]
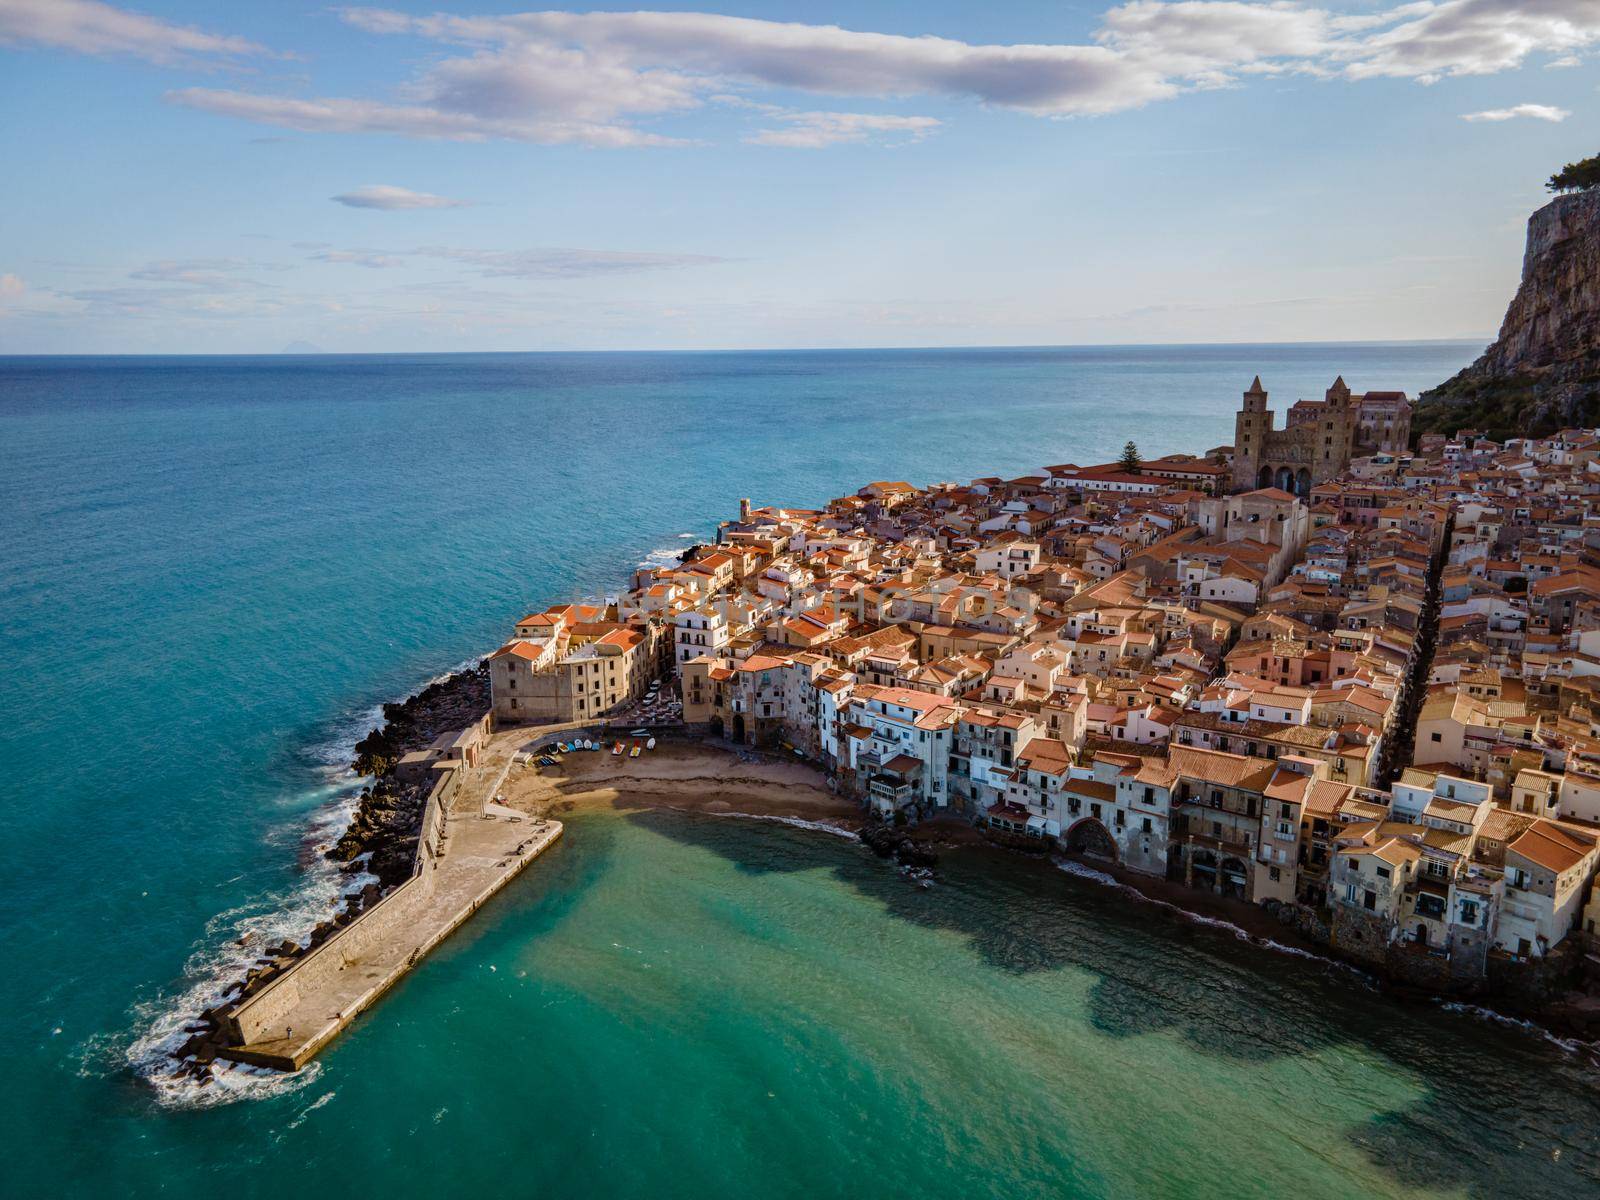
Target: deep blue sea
[(212, 570)]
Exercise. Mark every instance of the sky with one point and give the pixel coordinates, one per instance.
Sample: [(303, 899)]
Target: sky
[(187, 177)]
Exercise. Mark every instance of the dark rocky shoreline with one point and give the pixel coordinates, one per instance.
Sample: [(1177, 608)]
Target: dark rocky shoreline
[(389, 815), (1541, 998)]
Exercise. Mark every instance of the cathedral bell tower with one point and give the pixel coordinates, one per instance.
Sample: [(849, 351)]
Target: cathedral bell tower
[(1338, 431), (1250, 430)]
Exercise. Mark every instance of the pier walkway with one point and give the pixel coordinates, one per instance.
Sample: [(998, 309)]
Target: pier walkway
[(470, 847)]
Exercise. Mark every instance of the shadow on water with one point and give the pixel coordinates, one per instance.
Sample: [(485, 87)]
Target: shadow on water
[(1503, 1113)]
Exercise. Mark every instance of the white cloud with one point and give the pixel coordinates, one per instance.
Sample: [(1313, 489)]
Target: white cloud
[(1473, 37), (203, 274), (544, 262), (11, 292), (669, 60), (90, 27), (359, 258), (410, 120), (596, 78), (561, 263), (389, 198), (1539, 112), (814, 130)]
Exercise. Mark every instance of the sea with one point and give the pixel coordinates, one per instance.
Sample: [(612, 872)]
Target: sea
[(213, 571)]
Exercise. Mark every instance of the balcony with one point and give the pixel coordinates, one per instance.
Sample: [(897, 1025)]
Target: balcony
[(892, 792)]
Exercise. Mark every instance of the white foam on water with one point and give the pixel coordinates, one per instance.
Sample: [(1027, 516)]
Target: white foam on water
[(1570, 1045), (311, 1108), (233, 942), (1103, 879), (664, 556), (793, 822)]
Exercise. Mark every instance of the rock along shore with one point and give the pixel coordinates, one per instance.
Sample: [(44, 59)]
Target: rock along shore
[(389, 814)]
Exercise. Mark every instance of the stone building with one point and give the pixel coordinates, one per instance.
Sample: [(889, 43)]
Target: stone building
[(1318, 439), (590, 669)]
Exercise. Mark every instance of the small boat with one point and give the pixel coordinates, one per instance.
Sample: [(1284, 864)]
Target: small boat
[(617, 749), (650, 745), (634, 753), (639, 733)]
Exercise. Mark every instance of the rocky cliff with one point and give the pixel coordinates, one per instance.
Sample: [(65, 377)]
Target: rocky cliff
[(1543, 372)]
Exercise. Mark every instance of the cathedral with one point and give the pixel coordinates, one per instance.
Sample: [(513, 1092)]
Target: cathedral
[(1319, 438)]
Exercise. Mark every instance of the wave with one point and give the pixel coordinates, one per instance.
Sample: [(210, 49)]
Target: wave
[(665, 556), (1570, 1045), (793, 822), (1244, 935), (334, 751), (233, 941)]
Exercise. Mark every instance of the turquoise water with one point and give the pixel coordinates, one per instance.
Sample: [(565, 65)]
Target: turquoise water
[(211, 570)]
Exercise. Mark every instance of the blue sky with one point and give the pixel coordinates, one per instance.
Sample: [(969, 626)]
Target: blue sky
[(198, 178)]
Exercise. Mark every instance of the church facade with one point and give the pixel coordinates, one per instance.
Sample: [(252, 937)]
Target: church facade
[(1319, 437)]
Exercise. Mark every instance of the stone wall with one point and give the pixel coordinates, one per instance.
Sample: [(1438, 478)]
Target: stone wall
[(247, 1019)]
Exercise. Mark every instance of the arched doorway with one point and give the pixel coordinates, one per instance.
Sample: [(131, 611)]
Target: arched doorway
[(738, 728), (1284, 481), (1302, 483), (1235, 877), (1264, 478), (1091, 838)]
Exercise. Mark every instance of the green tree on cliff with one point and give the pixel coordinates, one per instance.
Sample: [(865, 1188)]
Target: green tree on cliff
[(1130, 461), (1576, 177)]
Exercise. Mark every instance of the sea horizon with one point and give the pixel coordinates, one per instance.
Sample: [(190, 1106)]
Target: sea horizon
[(1483, 339)]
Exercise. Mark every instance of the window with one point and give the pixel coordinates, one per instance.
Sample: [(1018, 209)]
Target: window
[(1436, 737)]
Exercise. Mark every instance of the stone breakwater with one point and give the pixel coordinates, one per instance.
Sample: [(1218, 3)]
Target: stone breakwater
[(378, 845)]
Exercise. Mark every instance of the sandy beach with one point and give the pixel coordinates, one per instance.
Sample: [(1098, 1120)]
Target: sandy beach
[(697, 777), (704, 777)]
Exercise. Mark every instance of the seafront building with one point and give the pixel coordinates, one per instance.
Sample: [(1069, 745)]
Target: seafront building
[(1315, 670)]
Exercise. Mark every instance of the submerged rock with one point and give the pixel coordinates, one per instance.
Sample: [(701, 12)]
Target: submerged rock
[(888, 842)]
